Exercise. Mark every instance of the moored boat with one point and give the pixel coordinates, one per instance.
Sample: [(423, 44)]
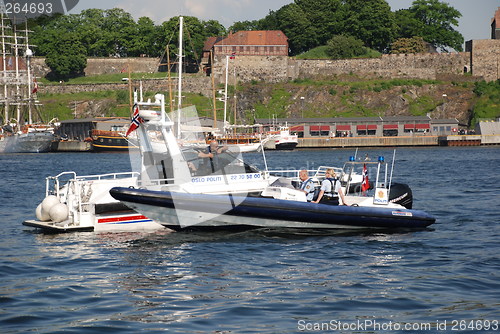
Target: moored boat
[(105, 141), (31, 139), (284, 140)]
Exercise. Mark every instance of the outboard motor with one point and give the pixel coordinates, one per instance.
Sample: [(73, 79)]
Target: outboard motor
[(401, 194)]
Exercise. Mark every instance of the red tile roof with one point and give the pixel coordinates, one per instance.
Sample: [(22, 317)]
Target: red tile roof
[(259, 37), (209, 43), (496, 18)]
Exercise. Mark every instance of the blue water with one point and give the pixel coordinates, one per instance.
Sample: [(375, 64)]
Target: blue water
[(260, 281)]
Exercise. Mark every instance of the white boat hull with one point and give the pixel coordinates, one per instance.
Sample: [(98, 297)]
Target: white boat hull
[(130, 222)]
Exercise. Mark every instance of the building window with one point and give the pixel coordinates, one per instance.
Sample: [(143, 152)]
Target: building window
[(390, 133), (390, 130)]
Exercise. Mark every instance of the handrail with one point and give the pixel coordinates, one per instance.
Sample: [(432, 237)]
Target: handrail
[(107, 176)]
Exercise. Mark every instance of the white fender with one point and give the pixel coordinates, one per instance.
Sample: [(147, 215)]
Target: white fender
[(41, 215), (59, 213)]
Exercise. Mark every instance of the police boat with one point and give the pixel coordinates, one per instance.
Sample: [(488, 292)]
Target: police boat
[(183, 189)]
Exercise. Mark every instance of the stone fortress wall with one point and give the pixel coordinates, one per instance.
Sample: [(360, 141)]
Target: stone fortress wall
[(481, 59)]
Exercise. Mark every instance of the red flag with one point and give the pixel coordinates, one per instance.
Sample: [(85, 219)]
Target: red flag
[(35, 87), (366, 183), (136, 120)]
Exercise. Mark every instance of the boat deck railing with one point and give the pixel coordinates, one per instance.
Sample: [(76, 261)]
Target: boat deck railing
[(54, 184)]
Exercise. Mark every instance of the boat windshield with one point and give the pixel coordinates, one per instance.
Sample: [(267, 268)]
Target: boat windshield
[(223, 163)]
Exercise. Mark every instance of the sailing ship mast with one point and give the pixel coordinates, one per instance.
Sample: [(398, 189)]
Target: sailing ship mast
[(16, 80), (4, 71)]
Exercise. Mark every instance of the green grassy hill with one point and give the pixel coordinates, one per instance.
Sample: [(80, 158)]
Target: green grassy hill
[(348, 96)]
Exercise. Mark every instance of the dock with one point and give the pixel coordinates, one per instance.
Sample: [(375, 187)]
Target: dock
[(72, 146), (340, 142)]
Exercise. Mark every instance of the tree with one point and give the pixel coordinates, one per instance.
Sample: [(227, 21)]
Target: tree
[(326, 17), (342, 46), (295, 24), (213, 28), (370, 21), (437, 19), (67, 58), (195, 35), (408, 45), (306, 23), (119, 29), (407, 24), (244, 26), (143, 41)]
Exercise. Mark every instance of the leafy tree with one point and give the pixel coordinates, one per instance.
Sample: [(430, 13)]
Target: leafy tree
[(407, 24), (118, 28), (67, 59), (143, 41), (370, 21), (244, 26), (306, 23), (91, 32), (213, 28), (195, 35), (294, 22), (408, 45), (270, 22), (325, 16), (342, 46), (437, 21)]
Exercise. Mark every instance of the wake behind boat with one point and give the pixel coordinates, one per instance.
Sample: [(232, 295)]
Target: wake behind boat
[(181, 189)]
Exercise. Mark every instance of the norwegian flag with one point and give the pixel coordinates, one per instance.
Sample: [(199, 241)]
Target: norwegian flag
[(366, 183), (35, 86), (136, 120), (233, 55)]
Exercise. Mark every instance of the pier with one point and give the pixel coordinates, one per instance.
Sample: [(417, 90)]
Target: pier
[(368, 141)]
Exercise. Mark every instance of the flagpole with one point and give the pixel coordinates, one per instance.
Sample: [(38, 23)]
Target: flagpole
[(179, 70), (392, 169), (225, 93)]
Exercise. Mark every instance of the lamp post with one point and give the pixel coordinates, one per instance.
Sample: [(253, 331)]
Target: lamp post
[(302, 105), (28, 55)]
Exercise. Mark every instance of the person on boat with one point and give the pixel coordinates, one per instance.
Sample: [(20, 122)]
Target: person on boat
[(212, 150), (306, 185), (212, 153), (330, 190)]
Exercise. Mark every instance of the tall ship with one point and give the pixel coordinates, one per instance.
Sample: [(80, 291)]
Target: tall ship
[(22, 129)]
